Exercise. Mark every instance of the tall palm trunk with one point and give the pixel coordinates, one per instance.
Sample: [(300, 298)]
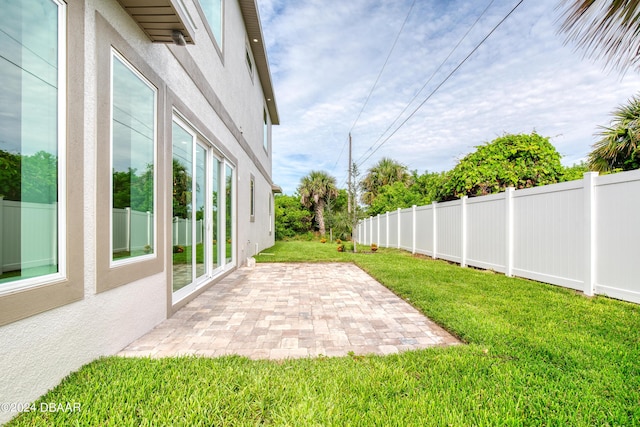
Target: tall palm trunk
[(320, 217)]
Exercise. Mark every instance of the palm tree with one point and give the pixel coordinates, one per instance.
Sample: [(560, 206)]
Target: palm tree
[(605, 29), (315, 189), (618, 148), (385, 172)]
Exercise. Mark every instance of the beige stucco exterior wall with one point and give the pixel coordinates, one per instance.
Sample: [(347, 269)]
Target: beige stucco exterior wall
[(225, 102)]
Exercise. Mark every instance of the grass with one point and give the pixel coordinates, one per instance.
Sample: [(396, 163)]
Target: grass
[(535, 355)]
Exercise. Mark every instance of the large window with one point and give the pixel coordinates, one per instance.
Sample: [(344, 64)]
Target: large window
[(133, 132), (32, 141), (213, 12)]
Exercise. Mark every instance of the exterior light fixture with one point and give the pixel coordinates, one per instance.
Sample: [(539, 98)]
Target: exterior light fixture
[(178, 38), (255, 40)]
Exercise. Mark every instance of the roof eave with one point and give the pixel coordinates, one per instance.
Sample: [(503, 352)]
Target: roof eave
[(251, 18)]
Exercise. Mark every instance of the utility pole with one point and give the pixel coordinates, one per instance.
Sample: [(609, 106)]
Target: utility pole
[(352, 204), (349, 186)]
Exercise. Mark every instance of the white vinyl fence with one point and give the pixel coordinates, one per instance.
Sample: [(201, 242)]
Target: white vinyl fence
[(583, 234), (27, 239), (132, 230)]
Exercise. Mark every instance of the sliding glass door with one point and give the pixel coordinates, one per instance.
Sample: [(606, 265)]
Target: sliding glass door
[(202, 220)]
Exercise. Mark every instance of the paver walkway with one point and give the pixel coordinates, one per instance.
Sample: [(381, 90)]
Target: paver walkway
[(278, 311)]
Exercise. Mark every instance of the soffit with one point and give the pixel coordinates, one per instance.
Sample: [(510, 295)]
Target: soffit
[(158, 18), (256, 40)]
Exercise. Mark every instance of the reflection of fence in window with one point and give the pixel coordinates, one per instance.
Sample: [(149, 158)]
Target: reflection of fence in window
[(182, 234), (132, 230), (28, 235)]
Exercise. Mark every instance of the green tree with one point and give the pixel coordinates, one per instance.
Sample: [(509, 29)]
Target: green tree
[(520, 161), (394, 196), (40, 178), (291, 217), (181, 190), (429, 186), (337, 217), (10, 175), (605, 29), (133, 190), (314, 191), (575, 171), (618, 146), (31, 178), (385, 172)]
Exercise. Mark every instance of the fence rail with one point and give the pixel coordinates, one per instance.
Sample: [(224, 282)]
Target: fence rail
[(581, 234), (28, 233)]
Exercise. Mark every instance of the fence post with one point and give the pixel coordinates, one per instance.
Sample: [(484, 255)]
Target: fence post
[(371, 230), (413, 229), (127, 212), (1, 231), (378, 226), (399, 228), (149, 227), (589, 182), (386, 243), (463, 217), (435, 230), (508, 219)]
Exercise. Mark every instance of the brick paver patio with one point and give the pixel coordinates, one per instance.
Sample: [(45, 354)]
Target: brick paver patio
[(278, 311)]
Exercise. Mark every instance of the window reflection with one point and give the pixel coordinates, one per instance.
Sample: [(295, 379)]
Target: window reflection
[(29, 72), (229, 214), (133, 146), (213, 12)]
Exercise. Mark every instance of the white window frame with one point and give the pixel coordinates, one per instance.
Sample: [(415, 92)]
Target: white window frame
[(234, 214), (249, 61), (252, 201), (209, 28), (267, 130), (61, 214), (132, 260), (213, 154)]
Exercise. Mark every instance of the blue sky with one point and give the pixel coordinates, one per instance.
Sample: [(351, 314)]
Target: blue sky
[(325, 56)]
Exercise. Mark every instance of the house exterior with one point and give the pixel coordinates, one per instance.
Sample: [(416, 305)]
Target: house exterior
[(135, 171)]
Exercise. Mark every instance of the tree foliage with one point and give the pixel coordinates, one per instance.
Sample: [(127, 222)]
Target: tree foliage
[(385, 172), (337, 216), (519, 161), (133, 190), (618, 147), (605, 29), (315, 189), (291, 217), (182, 182), (32, 178)]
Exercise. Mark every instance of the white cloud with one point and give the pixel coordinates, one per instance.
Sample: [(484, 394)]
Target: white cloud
[(326, 54)]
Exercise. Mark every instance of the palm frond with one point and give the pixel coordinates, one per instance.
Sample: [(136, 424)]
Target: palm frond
[(608, 30)]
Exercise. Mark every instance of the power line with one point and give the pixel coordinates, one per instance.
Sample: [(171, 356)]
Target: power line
[(386, 61), (429, 79), (444, 81), (376, 82)]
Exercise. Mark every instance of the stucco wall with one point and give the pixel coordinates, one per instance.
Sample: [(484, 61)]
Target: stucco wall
[(217, 90), (39, 351)]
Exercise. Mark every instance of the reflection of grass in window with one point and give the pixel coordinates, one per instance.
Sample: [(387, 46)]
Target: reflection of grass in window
[(185, 256), (25, 273), (10, 274), (128, 254)]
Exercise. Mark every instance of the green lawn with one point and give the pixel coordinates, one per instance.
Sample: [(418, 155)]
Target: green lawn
[(535, 355)]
